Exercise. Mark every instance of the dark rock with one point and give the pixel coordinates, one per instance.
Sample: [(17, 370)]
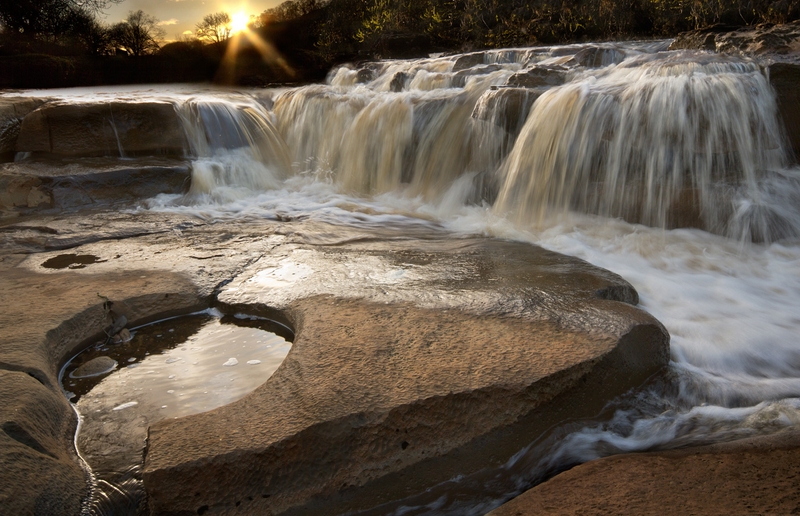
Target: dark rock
[(759, 40), (469, 60), (95, 367), (110, 129), (785, 79), (365, 75), (538, 76), (700, 39), (25, 187), (506, 107), (12, 111), (399, 81), (599, 57)]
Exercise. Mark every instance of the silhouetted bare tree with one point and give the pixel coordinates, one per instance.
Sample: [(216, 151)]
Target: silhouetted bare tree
[(139, 34), (215, 28)]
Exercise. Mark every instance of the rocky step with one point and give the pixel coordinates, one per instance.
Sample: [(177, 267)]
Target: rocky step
[(389, 391), (750, 476), (29, 187)]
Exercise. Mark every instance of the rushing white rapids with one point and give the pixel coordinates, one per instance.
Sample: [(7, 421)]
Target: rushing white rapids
[(556, 146)]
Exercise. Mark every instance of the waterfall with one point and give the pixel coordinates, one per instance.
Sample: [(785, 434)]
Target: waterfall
[(237, 147), (594, 151), (666, 142), (665, 139)]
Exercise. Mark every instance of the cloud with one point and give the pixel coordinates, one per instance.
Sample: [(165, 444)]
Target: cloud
[(171, 21), (188, 33)]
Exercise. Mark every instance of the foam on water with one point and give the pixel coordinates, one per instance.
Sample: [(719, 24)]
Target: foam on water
[(410, 144)]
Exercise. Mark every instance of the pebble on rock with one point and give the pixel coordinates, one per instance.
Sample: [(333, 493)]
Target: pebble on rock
[(94, 367)]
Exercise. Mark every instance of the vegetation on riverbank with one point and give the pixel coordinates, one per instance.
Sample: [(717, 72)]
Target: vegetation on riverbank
[(305, 38)]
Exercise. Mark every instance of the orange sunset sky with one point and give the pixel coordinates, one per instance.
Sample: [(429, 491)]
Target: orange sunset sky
[(179, 17)]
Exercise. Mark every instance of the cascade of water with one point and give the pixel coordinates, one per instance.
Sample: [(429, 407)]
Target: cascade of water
[(663, 138), (238, 148), (374, 142), (666, 141)]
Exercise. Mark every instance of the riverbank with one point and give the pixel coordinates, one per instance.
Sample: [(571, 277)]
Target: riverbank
[(749, 476), (320, 205)]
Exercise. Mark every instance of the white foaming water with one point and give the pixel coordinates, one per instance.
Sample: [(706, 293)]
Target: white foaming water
[(644, 140), (659, 138)]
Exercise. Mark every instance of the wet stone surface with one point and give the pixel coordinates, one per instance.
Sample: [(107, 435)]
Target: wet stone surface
[(167, 369)]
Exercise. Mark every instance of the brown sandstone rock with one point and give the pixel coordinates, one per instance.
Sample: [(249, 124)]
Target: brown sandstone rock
[(12, 111), (752, 476), (469, 60), (40, 471), (44, 318), (506, 107), (539, 76), (108, 129), (25, 187), (95, 367), (785, 78), (383, 394), (598, 57), (19, 191), (396, 379)]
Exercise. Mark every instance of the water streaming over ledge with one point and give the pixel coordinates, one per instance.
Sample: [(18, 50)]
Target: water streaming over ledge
[(603, 152), (665, 139)]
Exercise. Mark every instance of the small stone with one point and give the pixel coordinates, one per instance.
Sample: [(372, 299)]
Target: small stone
[(123, 336), (253, 362), (230, 362), (94, 367)]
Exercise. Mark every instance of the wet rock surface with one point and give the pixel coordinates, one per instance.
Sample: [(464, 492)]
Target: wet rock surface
[(408, 362), (419, 356), (765, 39), (41, 473), (750, 476), (408, 353), (95, 367), (12, 111), (102, 129), (785, 78), (34, 187)]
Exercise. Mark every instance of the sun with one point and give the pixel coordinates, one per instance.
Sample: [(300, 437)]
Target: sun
[(239, 22)]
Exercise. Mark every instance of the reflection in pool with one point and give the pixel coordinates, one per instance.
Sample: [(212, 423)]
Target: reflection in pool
[(171, 368)]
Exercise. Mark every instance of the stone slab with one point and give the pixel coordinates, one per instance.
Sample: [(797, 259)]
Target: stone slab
[(751, 476), (414, 358), (785, 79), (399, 381), (29, 187), (40, 471), (107, 129), (12, 111)]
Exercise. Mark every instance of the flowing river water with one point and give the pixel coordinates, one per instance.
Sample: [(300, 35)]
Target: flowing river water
[(668, 168)]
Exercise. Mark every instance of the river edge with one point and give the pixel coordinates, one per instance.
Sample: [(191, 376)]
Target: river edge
[(48, 316), (556, 477)]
